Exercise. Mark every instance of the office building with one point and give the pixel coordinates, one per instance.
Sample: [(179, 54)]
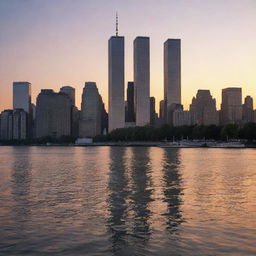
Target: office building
[(71, 92), (6, 125), (172, 75), (116, 82), (203, 109), (231, 106), (130, 112), (20, 122), (181, 117), (53, 114), (153, 114), (142, 80), (91, 111), (248, 114), (22, 96)]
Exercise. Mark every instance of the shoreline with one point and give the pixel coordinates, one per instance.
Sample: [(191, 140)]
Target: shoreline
[(233, 145)]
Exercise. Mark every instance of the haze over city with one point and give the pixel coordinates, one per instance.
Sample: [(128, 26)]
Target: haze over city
[(52, 45)]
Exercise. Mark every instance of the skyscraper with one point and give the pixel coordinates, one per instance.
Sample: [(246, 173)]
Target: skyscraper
[(172, 74), (203, 109), (22, 96), (71, 92), (248, 114), (231, 106), (116, 82), (91, 109), (142, 80), (6, 125), (53, 114), (20, 124), (153, 114), (130, 102)]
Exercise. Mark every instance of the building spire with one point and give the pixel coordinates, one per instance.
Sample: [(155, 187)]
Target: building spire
[(116, 24)]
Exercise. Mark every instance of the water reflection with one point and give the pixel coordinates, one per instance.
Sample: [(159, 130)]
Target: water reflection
[(118, 195), (172, 189)]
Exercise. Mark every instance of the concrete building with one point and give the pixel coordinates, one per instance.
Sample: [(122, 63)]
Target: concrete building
[(71, 92), (20, 124), (181, 118), (116, 82), (22, 96), (231, 106), (130, 115), (91, 109), (172, 75), (153, 114), (6, 125), (248, 114), (142, 80), (53, 114), (161, 111), (203, 109)]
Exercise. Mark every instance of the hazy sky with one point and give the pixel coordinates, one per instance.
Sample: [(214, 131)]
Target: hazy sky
[(52, 43)]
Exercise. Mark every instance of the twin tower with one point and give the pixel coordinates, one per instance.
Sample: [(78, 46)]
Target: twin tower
[(172, 79)]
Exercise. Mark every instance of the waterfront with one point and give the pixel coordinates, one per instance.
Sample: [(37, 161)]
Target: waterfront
[(127, 201)]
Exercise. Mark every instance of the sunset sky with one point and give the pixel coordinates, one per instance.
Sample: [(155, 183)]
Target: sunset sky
[(52, 43)]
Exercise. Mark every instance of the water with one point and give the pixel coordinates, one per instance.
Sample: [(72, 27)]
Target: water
[(127, 201)]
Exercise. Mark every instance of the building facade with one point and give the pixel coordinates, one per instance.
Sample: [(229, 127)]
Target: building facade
[(248, 114), (116, 82), (142, 80), (172, 75), (91, 111), (130, 113), (53, 114), (203, 109), (231, 106)]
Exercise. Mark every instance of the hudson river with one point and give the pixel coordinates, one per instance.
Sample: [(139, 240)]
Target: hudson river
[(127, 201)]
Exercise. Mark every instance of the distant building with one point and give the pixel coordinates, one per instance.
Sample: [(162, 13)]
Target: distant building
[(22, 96), (231, 106), (181, 117), (142, 80), (53, 114), (162, 115), (153, 114), (130, 116), (248, 114), (6, 125), (203, 109), (71, 92), (91, 111), (22, 100), (172, 75), (20, 122), (116, 82)]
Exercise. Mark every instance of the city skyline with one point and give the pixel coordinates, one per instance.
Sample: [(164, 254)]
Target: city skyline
[(223, 59)]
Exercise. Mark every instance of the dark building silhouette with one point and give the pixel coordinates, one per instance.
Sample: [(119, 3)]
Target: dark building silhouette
[(153, 114), (130, 114), (203, 109), (53, 114), (248, 113)]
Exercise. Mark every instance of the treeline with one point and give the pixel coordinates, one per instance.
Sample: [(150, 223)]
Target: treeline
[(40, 141), (167, 132)]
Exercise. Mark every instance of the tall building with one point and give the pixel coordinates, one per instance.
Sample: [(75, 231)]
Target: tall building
[(6, 125), (203, 108), (53, 114), (161, 110), (231, 106), (248, 114), (153, 114), (116, 82), (172, 75), (181, 117), (20, 117), (130, 116), (142, 80), (91, 111), (71, 92), (22, 96)]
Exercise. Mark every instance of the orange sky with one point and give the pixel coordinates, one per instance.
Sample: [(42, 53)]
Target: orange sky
[(51, 45)]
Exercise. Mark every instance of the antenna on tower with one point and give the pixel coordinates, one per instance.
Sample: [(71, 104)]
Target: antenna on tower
[(116, 24)]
